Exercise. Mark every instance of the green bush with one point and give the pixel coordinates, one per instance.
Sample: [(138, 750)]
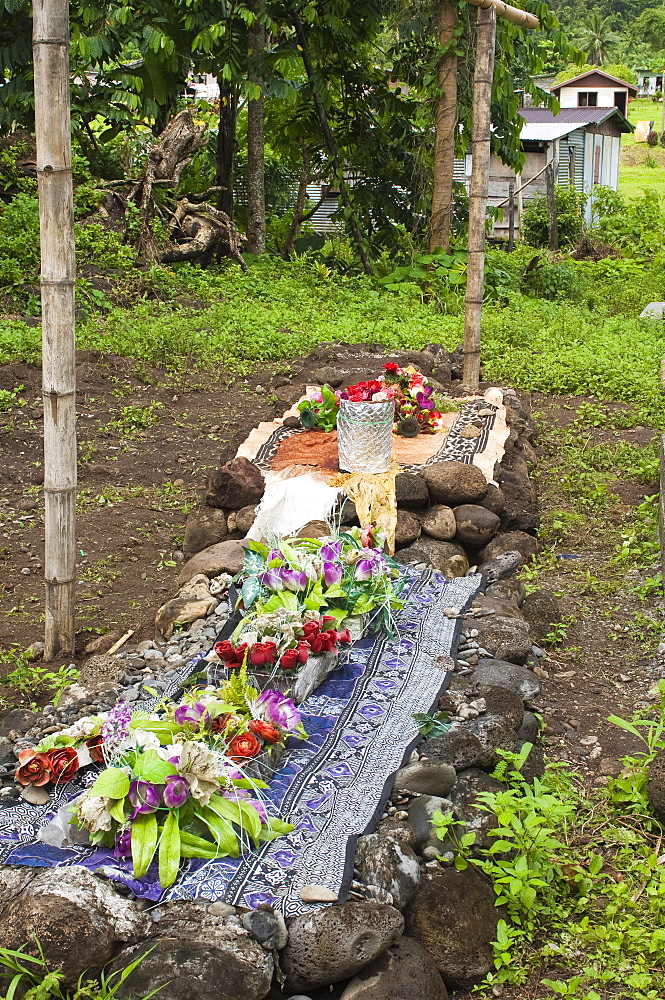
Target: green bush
[(570, 223), (552, 280)]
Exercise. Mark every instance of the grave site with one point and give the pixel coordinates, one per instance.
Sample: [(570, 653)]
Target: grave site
[(332, 539)]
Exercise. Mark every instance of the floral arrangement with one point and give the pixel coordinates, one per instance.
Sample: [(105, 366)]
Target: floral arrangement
[(414, 402), (413, 396), (297, 595), (58, 758)]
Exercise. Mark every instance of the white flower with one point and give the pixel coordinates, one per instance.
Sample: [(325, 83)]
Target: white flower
[(141, 739), (201, 769), (93, 812)]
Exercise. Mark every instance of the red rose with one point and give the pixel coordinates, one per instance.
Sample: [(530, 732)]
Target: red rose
[(224, 650), (94, 745), (64, 764), (243, 746), (315, 644), (328, 639), (344, 636), (289, 659), (327, 621), (310, 629), (218, 724), (391, 367), (267, 732), (263, 653), (33, 767), (303, 651)]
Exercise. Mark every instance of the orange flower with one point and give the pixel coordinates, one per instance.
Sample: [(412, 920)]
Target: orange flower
[(34, 768)]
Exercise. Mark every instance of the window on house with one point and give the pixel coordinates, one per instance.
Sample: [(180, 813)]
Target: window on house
[(587, 99)]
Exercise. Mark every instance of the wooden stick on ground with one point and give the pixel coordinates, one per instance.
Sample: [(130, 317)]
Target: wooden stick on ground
[(121, 642), (58, 272)]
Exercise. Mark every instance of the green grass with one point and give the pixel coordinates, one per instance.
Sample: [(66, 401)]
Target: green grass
[(635, 173)]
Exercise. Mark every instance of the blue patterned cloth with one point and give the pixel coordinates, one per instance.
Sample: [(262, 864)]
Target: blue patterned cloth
[(331, 787)]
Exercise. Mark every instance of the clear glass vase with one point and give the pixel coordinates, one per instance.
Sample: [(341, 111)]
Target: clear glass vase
[(365, 436)]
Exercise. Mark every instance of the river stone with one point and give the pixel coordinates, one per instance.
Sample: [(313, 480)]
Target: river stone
[(512, 676), (459, 748), (267, 927), (193, 601), (20, 720), (237, 484), (425, 777), (504, 638), (225, 557), (421, 812), (510, 541), (245, 518), (407, 529), (541, 610), (404, 972), (454, 918), (656, 785), (529, 731), (335, 942), (439, 522), (454, 483), (499, 605), (383, 860), (494, 499), (195, 954), (501, 567), (411, 491), (499, 701), (507, 590), (204, 528), (494, 733), (475, 525), (464, 796), (78, 919), (446, 557)]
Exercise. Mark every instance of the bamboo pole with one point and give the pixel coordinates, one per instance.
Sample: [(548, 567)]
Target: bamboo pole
[(445, 130), (508, 13), (553, 227), (511, 215), (58, 271), (480, 164)]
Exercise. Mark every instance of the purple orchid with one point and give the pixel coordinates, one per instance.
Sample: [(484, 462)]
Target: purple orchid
[(371, 564), (189, 713), (424, 402), (243, 793), (274, 554), (144, 796), (123, 845), (294, 579), (332, 573), (116, 726), (274, 707), (330, 551), (272, 579), (176, 791)]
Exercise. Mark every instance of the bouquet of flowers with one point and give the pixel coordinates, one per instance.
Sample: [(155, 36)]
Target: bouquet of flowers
[(319, 409), (175, 785), (372, 391), (332, 578), (281, 639), (414, 402), (58, 758)]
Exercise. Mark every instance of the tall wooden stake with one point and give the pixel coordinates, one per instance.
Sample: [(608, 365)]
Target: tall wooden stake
[(445, 131), (553, 225), (58, 271), (480, 168)]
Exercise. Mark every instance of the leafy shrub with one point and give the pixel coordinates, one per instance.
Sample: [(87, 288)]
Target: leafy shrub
[(636, 225), (652, 138), (535, 218), (552, 280)]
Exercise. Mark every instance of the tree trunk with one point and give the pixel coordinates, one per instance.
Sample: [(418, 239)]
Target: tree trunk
[(58, 272), (445, 131), (256, 196), (299, 207), (480, 149), (330, 143), (226, 147), (553, 226)]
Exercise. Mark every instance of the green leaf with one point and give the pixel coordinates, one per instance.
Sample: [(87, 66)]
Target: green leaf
[(169, 850), (149, 766), (250, 820), (222, 831), (117, 811), (144, 842), (112, 783), (251, 589)]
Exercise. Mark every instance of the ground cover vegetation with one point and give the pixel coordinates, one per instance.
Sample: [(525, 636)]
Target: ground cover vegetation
[(577, 865)]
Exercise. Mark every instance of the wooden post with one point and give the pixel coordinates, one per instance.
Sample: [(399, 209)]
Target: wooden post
[(58, 271), (480, 168), (445, 131), (551, 208), (511, 215)]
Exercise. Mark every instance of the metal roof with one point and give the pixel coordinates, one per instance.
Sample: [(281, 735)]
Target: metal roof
[(574, 118), (543, 132)]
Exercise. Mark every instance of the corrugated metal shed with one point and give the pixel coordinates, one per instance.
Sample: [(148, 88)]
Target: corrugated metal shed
[(576, 116)]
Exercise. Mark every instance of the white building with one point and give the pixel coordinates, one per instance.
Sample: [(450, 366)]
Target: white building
[(649, 82), (595, 89)]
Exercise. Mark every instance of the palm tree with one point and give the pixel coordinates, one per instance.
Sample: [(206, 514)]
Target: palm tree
[(596, 39)]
